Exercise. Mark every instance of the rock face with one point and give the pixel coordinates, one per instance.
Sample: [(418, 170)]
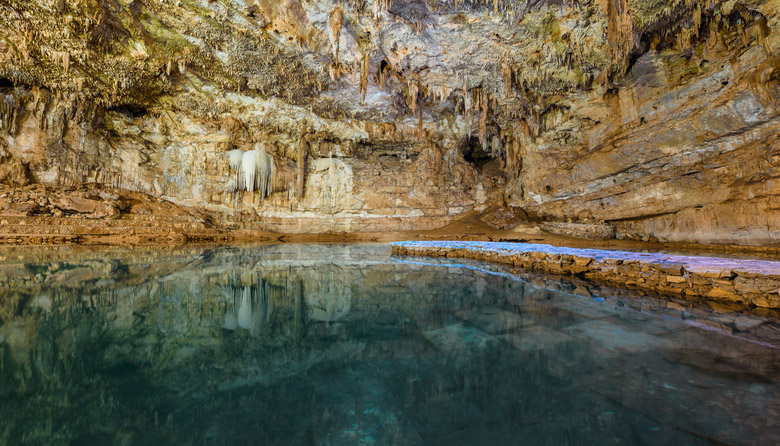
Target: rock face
[(659, 119)]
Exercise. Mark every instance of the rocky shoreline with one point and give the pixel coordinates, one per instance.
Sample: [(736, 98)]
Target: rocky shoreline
[(754, 283)]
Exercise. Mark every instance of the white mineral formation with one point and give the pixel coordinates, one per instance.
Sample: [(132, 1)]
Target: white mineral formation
[(254, 170)]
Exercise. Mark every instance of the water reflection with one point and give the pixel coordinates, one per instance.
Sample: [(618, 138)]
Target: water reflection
[(252, 305), (300, 344)]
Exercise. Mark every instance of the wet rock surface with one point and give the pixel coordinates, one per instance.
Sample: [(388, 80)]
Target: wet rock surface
[(749, 282)]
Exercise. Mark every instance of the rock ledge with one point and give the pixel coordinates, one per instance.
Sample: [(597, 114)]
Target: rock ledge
[(751, 282)]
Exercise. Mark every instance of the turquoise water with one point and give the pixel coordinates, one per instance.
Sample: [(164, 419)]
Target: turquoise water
[(332, 345)]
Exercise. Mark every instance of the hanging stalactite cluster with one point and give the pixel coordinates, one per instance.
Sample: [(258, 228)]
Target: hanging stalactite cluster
[(9, 112), (254, 171)]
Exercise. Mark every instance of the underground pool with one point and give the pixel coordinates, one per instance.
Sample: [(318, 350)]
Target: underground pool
[(350, 345)]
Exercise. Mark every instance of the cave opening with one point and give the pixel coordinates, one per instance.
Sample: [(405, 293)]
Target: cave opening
[(6, 83), (474, 153), (133, 111)]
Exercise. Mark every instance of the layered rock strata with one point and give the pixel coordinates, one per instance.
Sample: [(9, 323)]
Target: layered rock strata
[(659, 119), (96, 214), (750, 282)]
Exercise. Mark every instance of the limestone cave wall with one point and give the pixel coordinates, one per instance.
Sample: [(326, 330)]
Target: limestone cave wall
[(657, 117)]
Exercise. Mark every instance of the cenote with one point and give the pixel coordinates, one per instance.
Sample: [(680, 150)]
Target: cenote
[(346, 344)]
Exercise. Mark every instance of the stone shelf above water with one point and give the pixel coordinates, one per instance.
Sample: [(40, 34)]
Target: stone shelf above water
[(752, 282)]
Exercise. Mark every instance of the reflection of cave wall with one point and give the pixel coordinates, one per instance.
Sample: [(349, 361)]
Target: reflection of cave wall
[(316, 295), (233, 326), (184, 305), (284, 307)]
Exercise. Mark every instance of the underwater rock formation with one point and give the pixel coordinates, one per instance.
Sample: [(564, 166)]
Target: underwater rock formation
[(659, 119)]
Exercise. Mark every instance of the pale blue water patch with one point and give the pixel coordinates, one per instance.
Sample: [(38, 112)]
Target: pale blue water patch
[(345, 344)]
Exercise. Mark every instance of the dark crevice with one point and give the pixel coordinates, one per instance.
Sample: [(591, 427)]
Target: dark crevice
[(132, 111), (643, 217), (474, 153)]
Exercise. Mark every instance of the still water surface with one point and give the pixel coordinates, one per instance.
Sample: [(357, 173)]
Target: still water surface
[(308, 344)]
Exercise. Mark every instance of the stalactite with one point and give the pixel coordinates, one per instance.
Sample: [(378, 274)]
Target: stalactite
[(414, 89), (381, 6), (24, 50), (761, 35), (440, 93), (336, 22), (506, 73), (61, 58), (235, 164), (512, 155), (485, 103), (384, 73), (620, 33), (43, 100), (255, 171), (420, 128), (8, 113), (249, 166), (303, 150), (285, 179), (467, 99), (364, 76)]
